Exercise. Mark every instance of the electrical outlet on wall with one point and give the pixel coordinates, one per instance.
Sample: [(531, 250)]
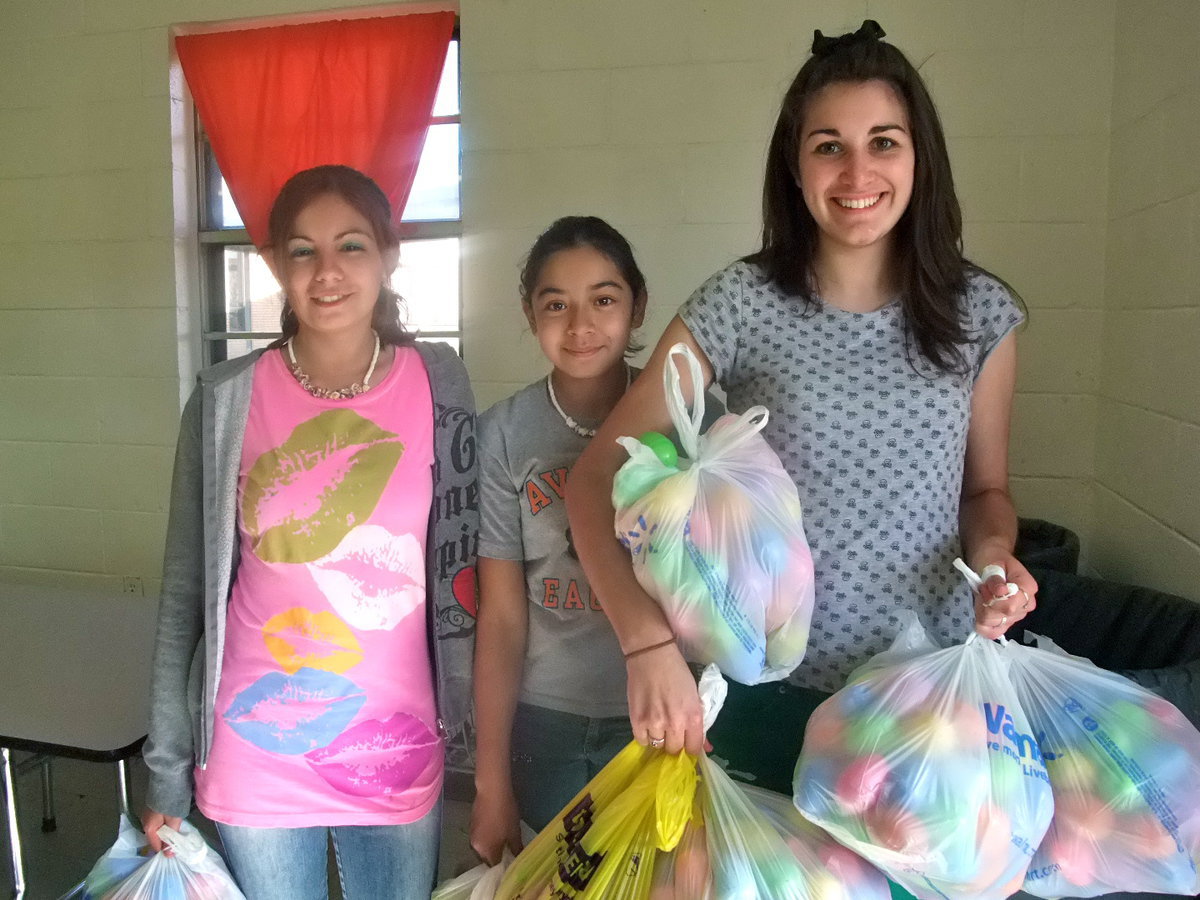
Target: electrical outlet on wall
[(133, 585)]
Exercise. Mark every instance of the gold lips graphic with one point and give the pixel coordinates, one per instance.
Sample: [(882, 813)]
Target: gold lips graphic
[(333, 469)]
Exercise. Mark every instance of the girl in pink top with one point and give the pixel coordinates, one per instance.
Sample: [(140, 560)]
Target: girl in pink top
[(325, 718)]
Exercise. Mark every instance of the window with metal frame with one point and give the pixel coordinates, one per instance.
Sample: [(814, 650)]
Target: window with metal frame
[(241, 299)]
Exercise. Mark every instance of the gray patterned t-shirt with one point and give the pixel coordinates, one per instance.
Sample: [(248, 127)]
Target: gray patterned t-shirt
[(874, 437), (573, 661)]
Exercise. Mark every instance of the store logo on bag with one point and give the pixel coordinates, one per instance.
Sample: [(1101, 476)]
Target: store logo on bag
[(1020, 746), (576, 867)]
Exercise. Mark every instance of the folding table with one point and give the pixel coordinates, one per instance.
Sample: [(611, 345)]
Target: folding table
[(74, 681)]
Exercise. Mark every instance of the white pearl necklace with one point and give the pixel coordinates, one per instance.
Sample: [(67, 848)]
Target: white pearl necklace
[(338, 393), (570, 422)]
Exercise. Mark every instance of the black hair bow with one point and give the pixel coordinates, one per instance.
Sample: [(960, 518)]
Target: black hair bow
[(870, 31)]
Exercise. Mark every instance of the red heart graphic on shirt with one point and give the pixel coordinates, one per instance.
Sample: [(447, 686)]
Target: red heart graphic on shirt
[(463, 586)]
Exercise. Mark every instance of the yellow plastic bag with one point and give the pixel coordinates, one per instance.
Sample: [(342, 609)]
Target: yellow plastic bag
[(604, 842)]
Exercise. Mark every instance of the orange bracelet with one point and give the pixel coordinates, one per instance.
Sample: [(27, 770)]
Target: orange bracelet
[(632, 653)]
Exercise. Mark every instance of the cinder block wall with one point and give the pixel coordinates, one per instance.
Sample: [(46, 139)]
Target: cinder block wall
[(654, 115), (1147, 513)]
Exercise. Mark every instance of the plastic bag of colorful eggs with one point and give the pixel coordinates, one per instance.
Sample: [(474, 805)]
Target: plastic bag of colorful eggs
[(744, 843), (193, 872), (716, 536), (926, 765), (1124, 765)]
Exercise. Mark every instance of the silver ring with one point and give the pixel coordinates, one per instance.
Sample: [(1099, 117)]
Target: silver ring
[(1003, 621), (1028, 600), (657, 742)]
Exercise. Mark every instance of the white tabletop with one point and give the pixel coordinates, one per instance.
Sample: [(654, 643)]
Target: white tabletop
[(74, 669)]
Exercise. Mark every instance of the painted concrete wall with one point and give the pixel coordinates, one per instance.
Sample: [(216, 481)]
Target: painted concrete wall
[(655, 116)]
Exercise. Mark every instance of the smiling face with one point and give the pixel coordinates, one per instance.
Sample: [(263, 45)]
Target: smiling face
[(582, 311), (332, 268), (856, 163)]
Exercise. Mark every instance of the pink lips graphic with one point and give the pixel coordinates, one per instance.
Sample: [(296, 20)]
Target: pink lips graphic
[(373, 578), (377, 758)]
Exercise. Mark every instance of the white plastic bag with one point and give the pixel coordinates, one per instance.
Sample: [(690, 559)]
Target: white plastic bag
[(195, 872), (716, 537), (925, 765), (833, 872), (479, 883), (1124, 765)]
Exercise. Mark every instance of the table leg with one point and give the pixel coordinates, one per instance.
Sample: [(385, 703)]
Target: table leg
[(123, 787), (49, 820), (14, 837)]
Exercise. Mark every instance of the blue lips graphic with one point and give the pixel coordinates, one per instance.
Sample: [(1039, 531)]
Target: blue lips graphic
[(294, 714)]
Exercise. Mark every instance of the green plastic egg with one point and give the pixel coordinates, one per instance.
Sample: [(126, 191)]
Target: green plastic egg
[(662, 447)]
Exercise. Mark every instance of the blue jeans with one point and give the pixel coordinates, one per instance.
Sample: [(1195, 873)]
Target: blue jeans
[(398, 862), (554, 754)]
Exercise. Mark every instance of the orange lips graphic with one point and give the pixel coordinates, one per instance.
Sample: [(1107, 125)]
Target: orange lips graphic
[(300, 638)]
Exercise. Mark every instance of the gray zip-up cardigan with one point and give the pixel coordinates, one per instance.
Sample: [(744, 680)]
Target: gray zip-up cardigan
[(201, 562)]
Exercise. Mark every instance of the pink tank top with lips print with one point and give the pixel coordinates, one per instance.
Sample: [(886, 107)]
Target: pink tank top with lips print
[(325, 709)]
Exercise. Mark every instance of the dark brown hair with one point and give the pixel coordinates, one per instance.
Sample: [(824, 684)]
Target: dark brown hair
[(368, 199), (928, 255), (570, 232)]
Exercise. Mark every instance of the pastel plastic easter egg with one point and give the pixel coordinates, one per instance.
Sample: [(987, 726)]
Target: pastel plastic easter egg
[(787, 645), (662, 447), (800, 564), (970, 725), (813, 785), (825, 886), (729, 504), (692, 870), (878, 730), (1084, 815), (906, 694), (170, 889), (1170, 765), (1165, 713), (825, 731), (698, 529), (854, 699), (932, 731), (1076, 858), (898, 829), (1146, 837), (861, 782), (1129, 726), (672, 500), (1115, 787), (772, 550), (1134, 716), (1072, 771)]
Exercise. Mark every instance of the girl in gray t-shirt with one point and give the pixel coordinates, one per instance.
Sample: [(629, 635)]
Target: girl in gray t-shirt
[(887, 362), (549, 677)]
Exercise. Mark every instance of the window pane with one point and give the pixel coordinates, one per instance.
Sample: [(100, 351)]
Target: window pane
[(446, 101), (427, 279), (434, 196), (230, 217), (252, 297), (238, 348)]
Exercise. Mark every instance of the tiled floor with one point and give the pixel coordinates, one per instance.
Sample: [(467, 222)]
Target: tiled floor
[(86, 812)]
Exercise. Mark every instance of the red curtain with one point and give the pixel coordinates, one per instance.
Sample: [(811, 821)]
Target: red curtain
[(277, 100)]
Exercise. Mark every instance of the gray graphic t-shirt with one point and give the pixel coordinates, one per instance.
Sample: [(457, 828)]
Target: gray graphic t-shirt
[(874, 437), (573, 661)]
